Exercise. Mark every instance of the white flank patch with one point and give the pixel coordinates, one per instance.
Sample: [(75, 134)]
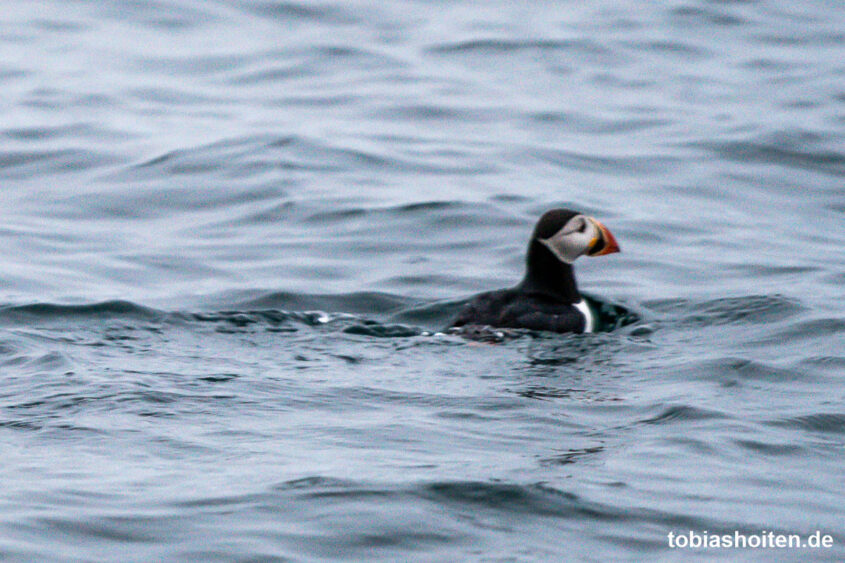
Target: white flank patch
[(588, 315)]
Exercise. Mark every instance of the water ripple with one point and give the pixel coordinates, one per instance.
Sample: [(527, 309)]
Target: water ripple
[(233, 233)]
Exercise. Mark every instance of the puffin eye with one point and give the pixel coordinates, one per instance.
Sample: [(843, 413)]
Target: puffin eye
[(582, 227)]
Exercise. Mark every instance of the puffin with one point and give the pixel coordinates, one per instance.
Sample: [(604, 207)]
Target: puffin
[(547, 298)]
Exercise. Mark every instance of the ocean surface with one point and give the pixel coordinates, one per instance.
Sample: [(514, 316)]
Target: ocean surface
[(232, 233)]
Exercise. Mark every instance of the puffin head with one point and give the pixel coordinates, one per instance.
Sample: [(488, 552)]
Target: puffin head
[(568, 234), (560, 237)]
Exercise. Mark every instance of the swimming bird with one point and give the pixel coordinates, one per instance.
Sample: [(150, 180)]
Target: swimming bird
[(547, 298)]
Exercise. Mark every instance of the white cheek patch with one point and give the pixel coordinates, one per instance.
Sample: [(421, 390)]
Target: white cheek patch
[(572, 240), (550, 243)]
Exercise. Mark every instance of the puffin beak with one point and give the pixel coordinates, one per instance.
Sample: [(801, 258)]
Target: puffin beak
[(605, 243)]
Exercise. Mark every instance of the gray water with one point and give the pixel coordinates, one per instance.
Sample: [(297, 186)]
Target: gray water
[(230, 233)]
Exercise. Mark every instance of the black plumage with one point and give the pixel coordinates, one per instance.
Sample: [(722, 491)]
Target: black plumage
[(513, 308), (545, 298)]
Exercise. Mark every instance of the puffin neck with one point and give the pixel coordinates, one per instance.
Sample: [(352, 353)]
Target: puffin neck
[(546, 275)]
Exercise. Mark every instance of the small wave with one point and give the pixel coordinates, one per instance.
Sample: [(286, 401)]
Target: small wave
[(528, 499), (788, 149), (326, 487), (373, 314), (287, 11), (704, 17), (730, 370), (372, 328), (62, 161), (424, 215), (605, 164), (677, 48), (436, 314), (114, 308), (831, 363), (256, 154), (163, 16), (418, 112), (754, 309), (309, 62), (809, 329), (191, 65), (533, 499), (683, 413), (76, 130), (363, 302), (585, 50), (771, 449), (276, 320), (286, 321), (818, 422), (612, 316), (585, 123), (571, 456), (278, 312)]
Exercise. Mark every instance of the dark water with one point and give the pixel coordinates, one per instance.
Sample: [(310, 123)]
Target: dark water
[(231, 230)]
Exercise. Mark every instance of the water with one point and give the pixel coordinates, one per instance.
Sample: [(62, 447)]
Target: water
[(231, 230)]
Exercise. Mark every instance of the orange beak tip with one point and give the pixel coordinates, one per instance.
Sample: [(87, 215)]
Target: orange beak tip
[(610, 244)]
